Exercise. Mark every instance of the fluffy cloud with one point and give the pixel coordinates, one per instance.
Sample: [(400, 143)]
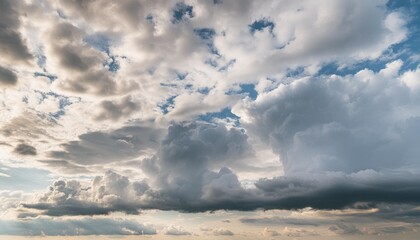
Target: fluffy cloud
[(175, 231), (106, 194), (335, 123)]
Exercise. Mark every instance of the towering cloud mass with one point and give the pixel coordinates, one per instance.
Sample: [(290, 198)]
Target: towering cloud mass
[(306, 108)]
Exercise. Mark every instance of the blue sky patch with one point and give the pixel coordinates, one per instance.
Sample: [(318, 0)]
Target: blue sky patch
[(63, 101), (24, 179), (250, 90), (207, 36), (260, 25), (169, 103), (180, 11), (102, 43), (51, 77), (205, 33), (225, 113)]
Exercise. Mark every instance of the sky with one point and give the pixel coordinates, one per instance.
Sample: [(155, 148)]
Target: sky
[(210, 119)]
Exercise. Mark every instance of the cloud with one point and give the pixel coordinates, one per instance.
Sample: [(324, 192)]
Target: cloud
[(74, 227), (282, 221), (270, 233), (182, 176), (25, 149), (99, 147), (64, 166), (109, 193), (114, 110), (298, 232), (7, 77), (345, 229), (12, 44), (175, 231), (183, 166), (338, 123), (222, 232)]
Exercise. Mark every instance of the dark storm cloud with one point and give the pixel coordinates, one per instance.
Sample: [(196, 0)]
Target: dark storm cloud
[(7, 77), (12, 45), (181, 176), (25, 149), (223, 191), (344, 191), (74, 227), (183, 164)]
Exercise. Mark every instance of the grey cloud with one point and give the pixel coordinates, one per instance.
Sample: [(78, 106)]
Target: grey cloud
[(114, 192), (128, 13), (345, 229), (183, 164), (391, 230), (342, 191), (222, 232), (80, 67), (282, 221), (104, 147), (12, 45), (181, 177), (74, 227), (27, 125), (114, 110), (404, 213), (25, 149), (7, 77)]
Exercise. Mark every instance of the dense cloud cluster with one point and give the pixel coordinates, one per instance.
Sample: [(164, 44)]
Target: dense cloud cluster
[(345, 124)]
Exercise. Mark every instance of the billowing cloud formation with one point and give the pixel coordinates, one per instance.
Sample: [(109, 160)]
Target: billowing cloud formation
[(335, 123), (106, 194)]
